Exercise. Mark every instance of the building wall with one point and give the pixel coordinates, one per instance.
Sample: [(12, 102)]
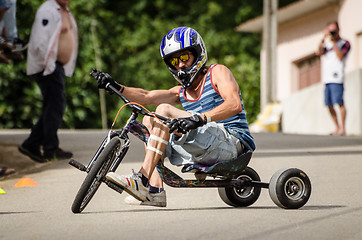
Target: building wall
[(304, 112), (296, 40), (349, 19)]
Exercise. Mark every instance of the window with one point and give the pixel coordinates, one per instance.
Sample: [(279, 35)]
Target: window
[(308, 71)]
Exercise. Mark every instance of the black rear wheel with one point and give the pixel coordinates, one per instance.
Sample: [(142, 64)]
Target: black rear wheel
[(242, 196), (96, 175)]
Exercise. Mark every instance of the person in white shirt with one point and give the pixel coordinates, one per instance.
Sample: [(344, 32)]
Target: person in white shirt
[(335, 51), (52, 54)]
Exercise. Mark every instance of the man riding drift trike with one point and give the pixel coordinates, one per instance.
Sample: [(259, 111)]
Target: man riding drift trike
[(210, 137), (211, 128)]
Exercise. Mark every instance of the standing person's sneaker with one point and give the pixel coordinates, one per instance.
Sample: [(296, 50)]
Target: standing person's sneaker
[(156, 200), (34, 154), (57, 153), (4, 171), (132, 184)]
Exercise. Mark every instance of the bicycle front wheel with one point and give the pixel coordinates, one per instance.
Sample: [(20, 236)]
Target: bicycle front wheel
[(96, 175)]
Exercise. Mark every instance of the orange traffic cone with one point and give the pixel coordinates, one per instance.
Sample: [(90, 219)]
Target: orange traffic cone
[(26, 182)]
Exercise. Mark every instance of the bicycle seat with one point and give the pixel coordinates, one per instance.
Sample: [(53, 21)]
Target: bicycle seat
[(226, 169)]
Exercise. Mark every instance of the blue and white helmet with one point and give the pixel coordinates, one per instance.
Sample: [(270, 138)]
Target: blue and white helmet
[(180, 39)]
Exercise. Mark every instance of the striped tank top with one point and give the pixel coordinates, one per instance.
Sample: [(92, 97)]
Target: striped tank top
[(209, 98)]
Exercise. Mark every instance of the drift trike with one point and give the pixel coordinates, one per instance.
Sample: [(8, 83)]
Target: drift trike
[(238, 184)]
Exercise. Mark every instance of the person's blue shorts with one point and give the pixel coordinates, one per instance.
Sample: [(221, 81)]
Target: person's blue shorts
[(333, 94)]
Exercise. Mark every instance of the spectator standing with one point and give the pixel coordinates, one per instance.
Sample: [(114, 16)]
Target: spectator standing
[(335, 51), (52, 53), (4, 6), (10, 45), (10, 30)]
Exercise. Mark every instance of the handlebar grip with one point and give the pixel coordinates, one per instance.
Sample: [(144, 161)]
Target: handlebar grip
[(94, 73)]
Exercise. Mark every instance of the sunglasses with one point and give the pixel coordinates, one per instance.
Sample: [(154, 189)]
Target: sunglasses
[(183, 58)]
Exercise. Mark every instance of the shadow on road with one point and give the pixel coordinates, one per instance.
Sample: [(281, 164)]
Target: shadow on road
[(305, 208)]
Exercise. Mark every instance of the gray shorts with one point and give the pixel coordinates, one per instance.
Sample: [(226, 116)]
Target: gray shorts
[(206, 145)]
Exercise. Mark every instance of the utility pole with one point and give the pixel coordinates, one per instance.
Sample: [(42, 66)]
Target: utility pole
[(98, 62), (268, 73)]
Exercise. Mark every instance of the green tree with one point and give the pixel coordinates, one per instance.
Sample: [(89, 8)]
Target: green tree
[(129, 35)]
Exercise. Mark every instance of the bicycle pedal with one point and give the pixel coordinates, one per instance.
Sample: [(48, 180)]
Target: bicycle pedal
[(77, 165), (114, 186)]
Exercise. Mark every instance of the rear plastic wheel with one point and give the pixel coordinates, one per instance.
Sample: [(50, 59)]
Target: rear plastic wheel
[(290, 188), (242, 196)]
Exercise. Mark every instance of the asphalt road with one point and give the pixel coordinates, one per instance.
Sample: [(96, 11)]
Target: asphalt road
[(334, 211)]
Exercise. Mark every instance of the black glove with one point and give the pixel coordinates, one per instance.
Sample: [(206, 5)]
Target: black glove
[(175, 125), (183, 125), (103, 79)]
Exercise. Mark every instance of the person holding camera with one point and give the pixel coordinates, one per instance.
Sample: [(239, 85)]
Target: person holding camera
[(335, 51)]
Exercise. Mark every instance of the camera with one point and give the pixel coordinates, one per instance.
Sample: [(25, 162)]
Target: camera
[(333, 33)]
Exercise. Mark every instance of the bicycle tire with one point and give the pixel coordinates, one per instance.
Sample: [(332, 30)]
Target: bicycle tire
[(96, 175)]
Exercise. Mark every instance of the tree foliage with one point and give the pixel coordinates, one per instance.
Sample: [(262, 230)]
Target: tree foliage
[(125, 36)]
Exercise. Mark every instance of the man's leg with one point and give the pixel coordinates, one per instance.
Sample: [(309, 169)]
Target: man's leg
[(138, 184), (336, 96), (339, 91), (334, 118), (161, 133), (151, 157), (342, 129), (155, 149), (330, 100), (53, 114), (3, 43), (54, 108), (156, 146), (10, 22), (31, 146)]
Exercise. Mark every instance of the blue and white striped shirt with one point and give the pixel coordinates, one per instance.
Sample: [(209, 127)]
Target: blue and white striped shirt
[(209, 98)]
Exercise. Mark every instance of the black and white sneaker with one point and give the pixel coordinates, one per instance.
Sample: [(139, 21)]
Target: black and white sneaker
[(156, 200), (132, 184)]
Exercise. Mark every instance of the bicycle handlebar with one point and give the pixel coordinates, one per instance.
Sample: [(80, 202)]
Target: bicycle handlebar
[(134, 107)]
